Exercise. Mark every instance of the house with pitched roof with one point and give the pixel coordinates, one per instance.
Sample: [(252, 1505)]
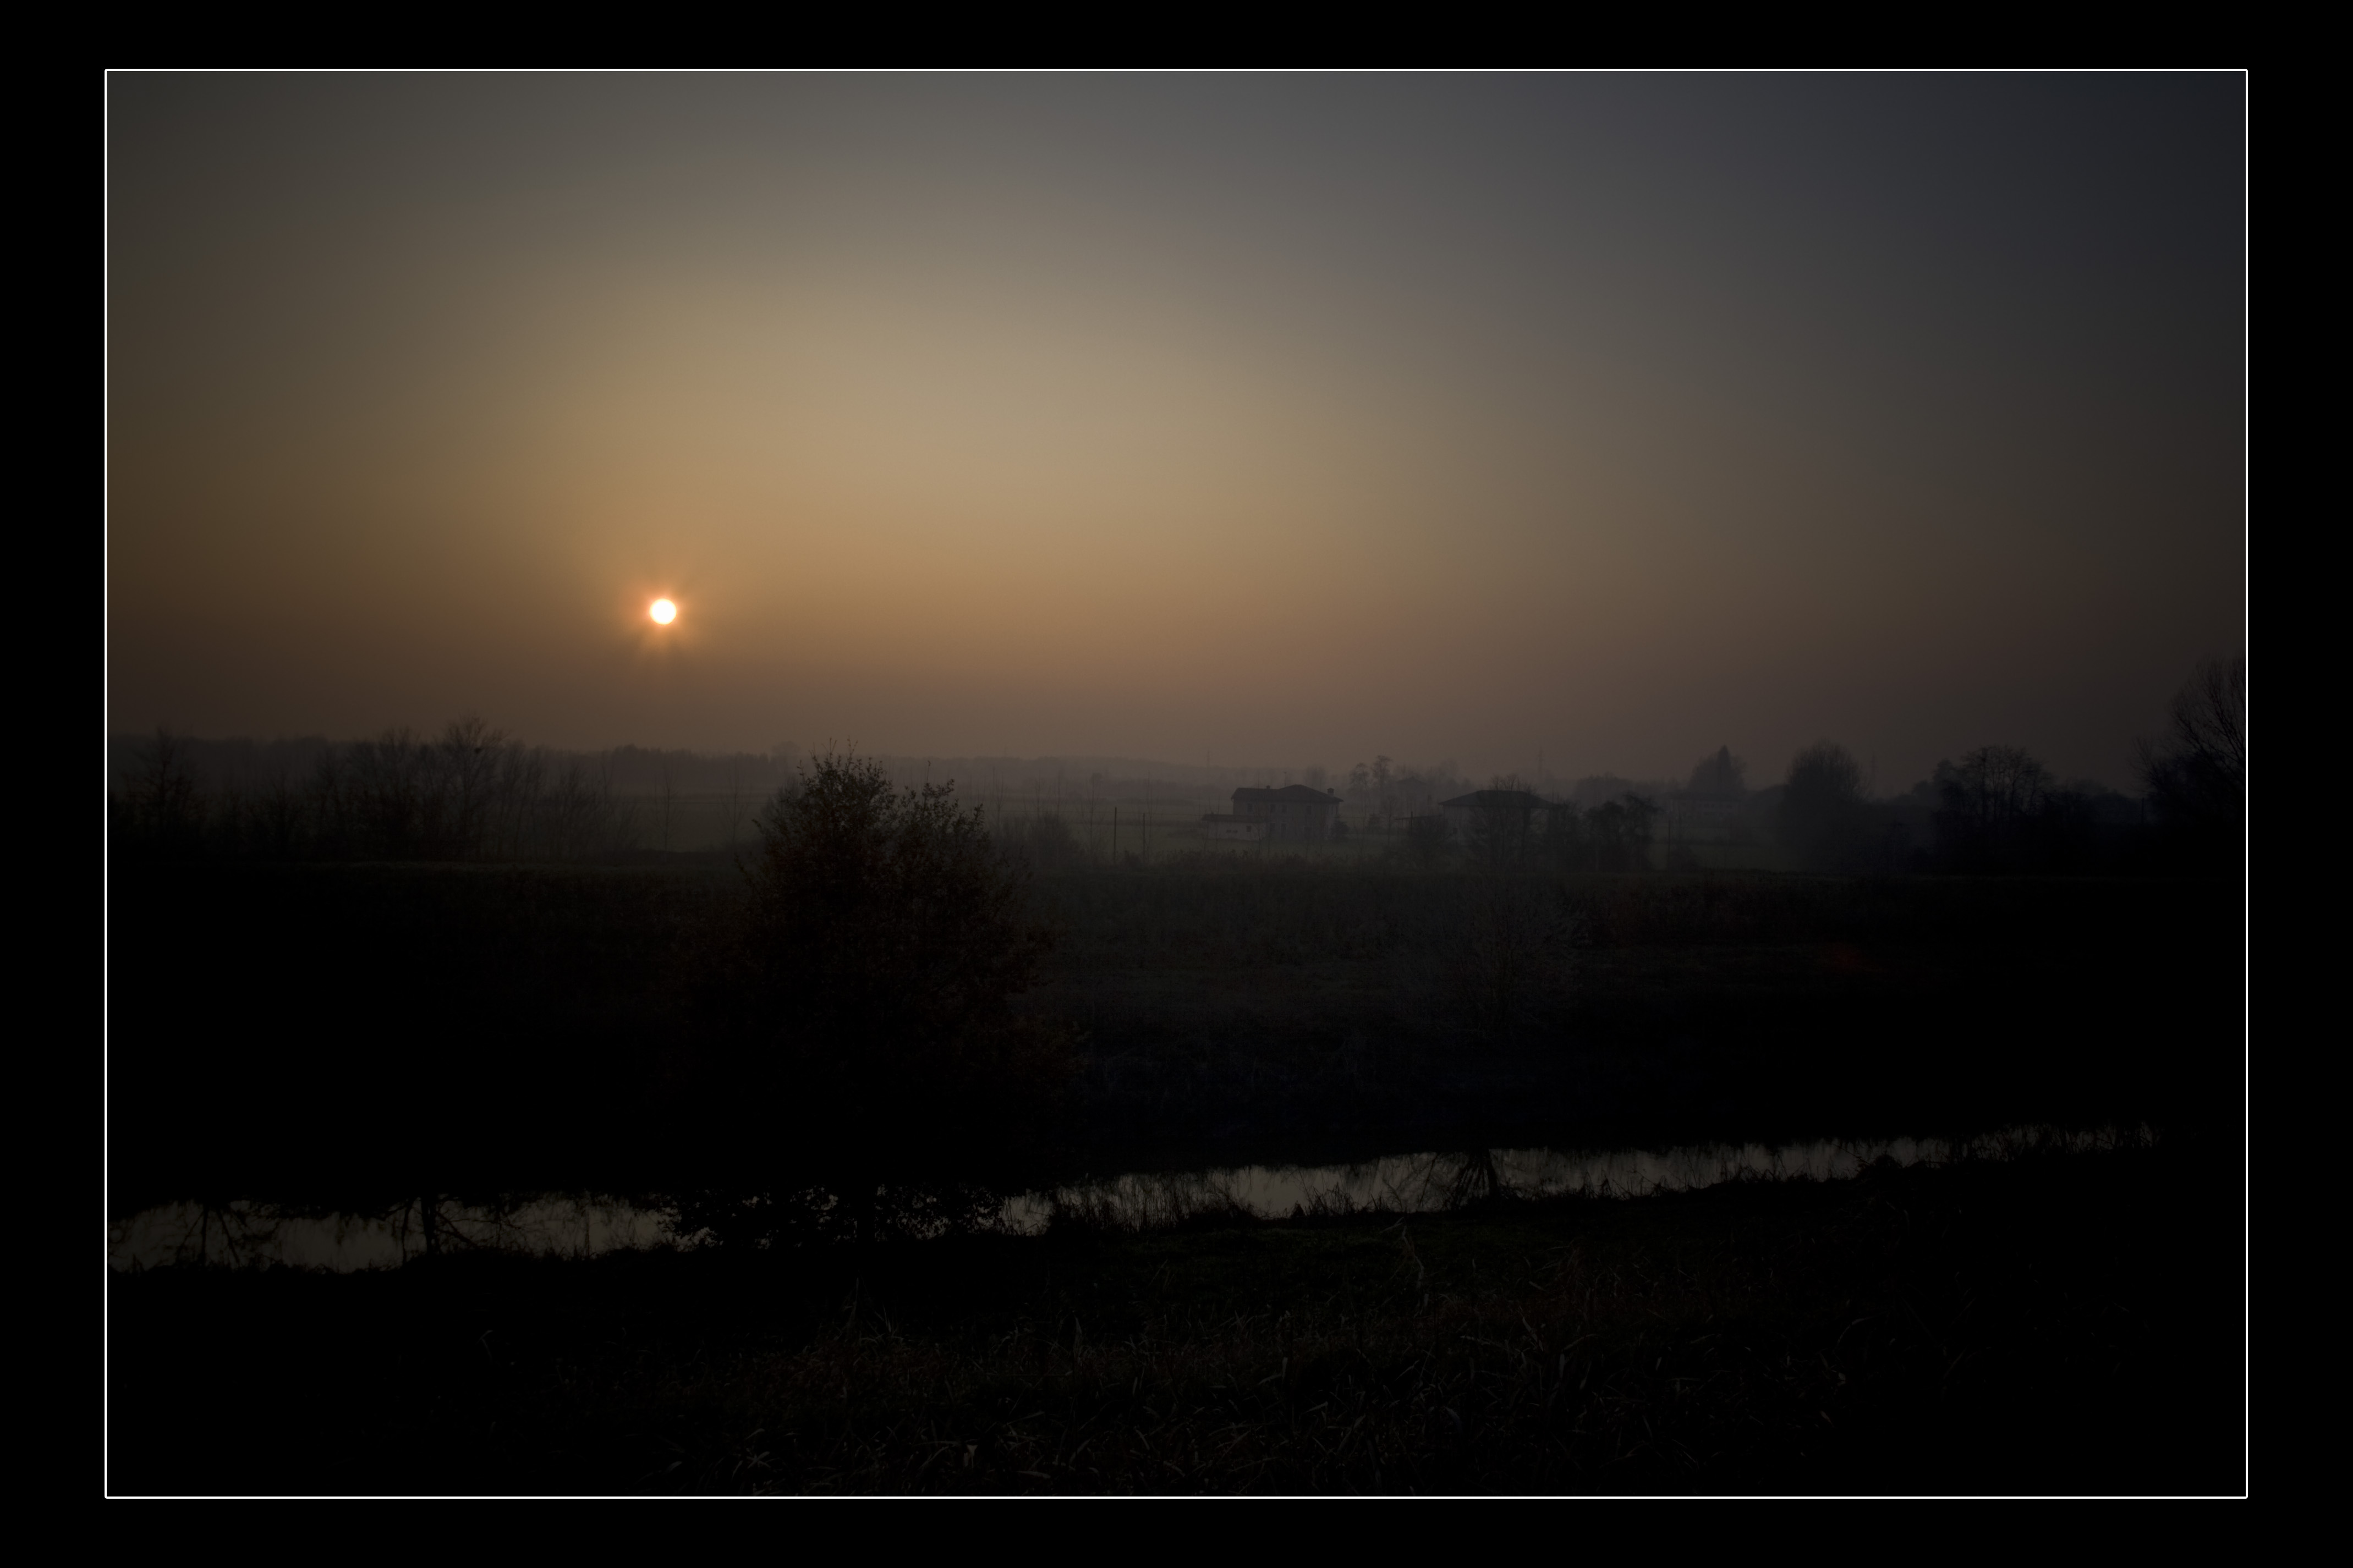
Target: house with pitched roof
[(1294, 813)]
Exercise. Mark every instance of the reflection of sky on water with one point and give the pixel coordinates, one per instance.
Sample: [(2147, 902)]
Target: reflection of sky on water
[(1423, 1184), (247, 1234)]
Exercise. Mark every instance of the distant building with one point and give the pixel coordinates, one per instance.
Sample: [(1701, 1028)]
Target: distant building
[(1292, 815)]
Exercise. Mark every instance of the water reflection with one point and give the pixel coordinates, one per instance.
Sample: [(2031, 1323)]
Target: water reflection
[(582, 1226), (259, 1235), (1428, 1182)]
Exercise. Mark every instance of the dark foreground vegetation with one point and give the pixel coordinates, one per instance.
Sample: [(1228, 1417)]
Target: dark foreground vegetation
[(885, 974), (336, 1033), (2062, 1323), (834, 1055)]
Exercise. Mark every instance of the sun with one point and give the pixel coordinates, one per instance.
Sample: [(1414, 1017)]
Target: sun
[(663, 611)]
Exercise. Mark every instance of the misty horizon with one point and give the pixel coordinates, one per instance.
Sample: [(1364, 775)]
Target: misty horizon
[(244, 758)]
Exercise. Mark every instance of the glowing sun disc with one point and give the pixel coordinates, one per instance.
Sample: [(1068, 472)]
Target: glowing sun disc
[(663, 611)]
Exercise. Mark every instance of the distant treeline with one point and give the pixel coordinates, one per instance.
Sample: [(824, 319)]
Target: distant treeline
[(474, 794), (1997, 809), (470, 793)]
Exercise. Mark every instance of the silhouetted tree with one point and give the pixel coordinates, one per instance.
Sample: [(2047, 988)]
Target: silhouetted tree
[(274, 817), (883, 942), (1501, 833), (1987, 805), (161, 810), (471, 793), (2197, 775), (1721, 776), (1822, 813), (1369, 786)]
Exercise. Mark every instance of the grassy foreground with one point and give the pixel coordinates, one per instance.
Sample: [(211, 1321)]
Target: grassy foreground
[(2067, 1323)]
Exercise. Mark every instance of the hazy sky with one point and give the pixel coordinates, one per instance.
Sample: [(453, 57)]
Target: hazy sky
[(1276, 419)]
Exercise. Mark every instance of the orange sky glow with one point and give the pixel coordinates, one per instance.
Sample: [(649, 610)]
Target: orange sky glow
[(1282, 420)]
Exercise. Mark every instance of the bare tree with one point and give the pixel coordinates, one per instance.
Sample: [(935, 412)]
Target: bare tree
[(161, 803), (2197, 775), (468, 759), (1993, 788), (1999, 809), (471, 792)]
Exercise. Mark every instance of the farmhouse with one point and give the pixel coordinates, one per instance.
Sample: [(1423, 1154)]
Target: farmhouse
[(1292, 815)]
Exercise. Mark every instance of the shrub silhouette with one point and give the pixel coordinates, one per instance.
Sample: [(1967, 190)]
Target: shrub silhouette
[(1823, 812), (1618, 834), (875, 1046)]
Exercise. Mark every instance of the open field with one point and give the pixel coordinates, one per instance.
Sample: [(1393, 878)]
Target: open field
[(505, 1027)]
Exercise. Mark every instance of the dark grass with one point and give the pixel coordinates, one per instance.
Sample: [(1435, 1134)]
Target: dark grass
[(302, 1032), (2052, 1323), (343, 1036), (1287, 1009)]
